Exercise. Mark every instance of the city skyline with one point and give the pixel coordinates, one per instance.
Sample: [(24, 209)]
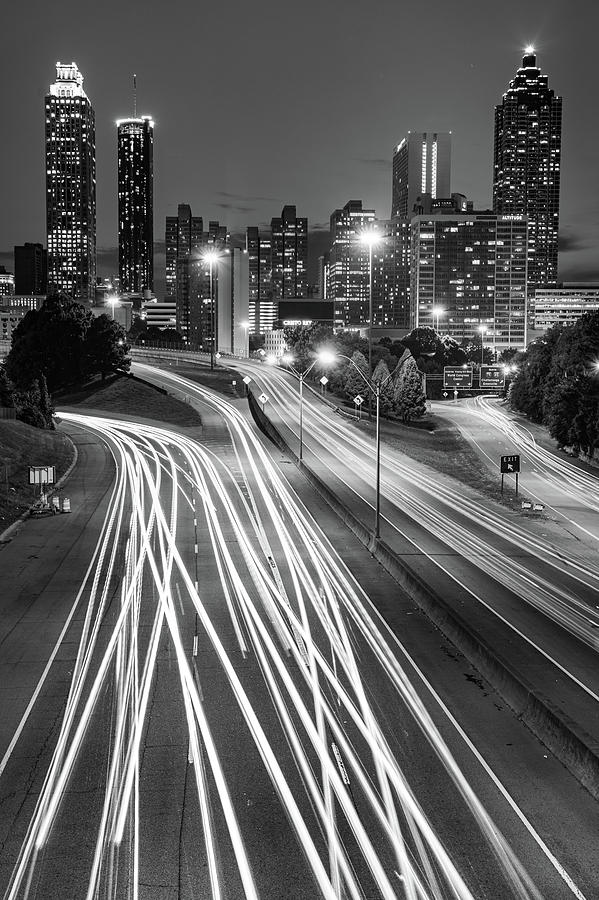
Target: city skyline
[(339, 149)]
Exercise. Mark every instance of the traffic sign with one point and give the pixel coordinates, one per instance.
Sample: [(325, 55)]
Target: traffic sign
[(247, 379), (510, 464), (492, 377), (445, 394), (42, 474), (457, 377), (358, 400), (324, 380), (262, 398)]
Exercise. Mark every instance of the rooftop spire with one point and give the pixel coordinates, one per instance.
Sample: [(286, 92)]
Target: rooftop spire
[(135, 96)]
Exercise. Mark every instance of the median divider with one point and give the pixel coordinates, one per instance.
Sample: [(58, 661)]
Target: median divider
[(577, 750)]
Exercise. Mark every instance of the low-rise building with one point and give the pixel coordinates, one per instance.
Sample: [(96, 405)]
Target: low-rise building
[(563, 304)]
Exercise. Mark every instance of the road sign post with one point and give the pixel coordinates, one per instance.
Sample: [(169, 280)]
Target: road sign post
[(510, 465), (358, 401)]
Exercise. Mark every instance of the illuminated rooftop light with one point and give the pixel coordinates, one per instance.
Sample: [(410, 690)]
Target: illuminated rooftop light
[(370, 238), (529, 50)]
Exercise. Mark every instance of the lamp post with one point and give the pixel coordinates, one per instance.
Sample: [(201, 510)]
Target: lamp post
[(437, 312), (370, 238), (324, 358), (376, 388), (482, 329)]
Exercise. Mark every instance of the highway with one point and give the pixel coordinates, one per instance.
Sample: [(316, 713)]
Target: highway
[(530, 586), (567, 489), (238, 721)]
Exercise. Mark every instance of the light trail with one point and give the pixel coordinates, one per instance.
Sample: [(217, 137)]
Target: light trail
[(305, 626)]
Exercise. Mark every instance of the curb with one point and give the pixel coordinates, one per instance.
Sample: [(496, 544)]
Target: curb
[(7, 534), (562, 737)]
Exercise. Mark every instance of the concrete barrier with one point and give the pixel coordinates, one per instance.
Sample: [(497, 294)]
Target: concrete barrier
[(566, 740)]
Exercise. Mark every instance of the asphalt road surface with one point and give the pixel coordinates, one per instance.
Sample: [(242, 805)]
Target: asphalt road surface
[(227, 715)]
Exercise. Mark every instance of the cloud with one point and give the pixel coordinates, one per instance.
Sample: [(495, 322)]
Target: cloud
[(374, 161), (234, 207), (570, 241), (244, 197)]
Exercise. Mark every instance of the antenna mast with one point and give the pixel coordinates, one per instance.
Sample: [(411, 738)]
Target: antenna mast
[(135, 96)]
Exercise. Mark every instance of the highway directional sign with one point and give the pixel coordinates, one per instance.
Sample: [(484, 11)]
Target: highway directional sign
[(492, 377), (510, 464), (457, 377)]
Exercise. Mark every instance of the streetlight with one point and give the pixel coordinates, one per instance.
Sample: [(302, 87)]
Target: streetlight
[(376, 387), (113, 301), (437, 312), (211, 257), (482, 329), (324, 358), (371, 238)]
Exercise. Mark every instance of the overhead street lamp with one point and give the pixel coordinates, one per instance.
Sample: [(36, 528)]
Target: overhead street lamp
[(370, 238), (212, 257), (437, 312), (483, 329), (376, 388), (324, 358)]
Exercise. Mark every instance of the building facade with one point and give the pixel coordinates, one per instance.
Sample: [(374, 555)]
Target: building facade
[(562, 305), (263, 308), (468, 273), (421, 165), (31, 269), (232, 303), (135, 151), (289, 255), (7, 283), (184, 238), (347, 266), (70, 185), (527, 162)]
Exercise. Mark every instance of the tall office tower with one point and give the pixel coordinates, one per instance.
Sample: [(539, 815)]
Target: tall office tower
[(70, 185), (348, 277), (7, 283), (31, 269), (232, 303), (135, 139), (421, 165), (289, 236), (472, 266), (391, 275), (184, 238), (262, 309), (526, 164)]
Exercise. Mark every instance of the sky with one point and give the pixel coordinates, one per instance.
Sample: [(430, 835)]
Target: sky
[(266, 103)]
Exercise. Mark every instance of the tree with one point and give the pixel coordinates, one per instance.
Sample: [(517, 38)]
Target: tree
[(49, 342), (422, 341), (354, 384), (105, 347), (6, 389), (381, 377), (409, 401)]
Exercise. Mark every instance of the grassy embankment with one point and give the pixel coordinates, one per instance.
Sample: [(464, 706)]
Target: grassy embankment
[(22, 446)]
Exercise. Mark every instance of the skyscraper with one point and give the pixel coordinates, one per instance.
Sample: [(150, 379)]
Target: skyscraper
[(184, 238), (135, 140), (289, 249), (348, 282), (31, 269), (262, 308), (421, 165), (473, 266), (526, 164), (70, 185)]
